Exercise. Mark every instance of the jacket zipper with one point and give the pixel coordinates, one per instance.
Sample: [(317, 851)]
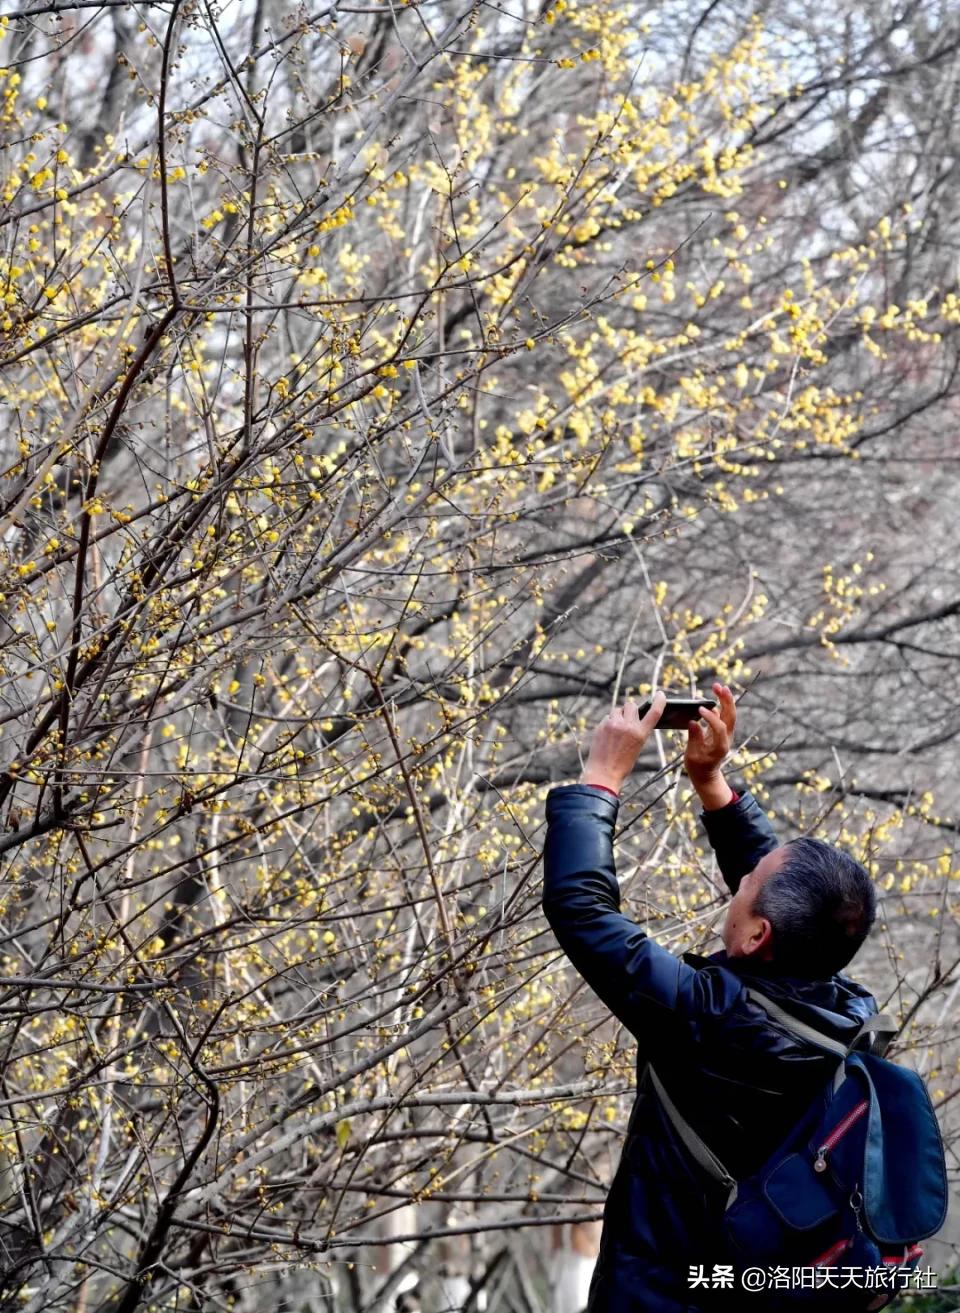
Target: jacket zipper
[(841, 1128)]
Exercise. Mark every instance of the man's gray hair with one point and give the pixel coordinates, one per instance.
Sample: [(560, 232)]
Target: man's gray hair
[(821, 904)]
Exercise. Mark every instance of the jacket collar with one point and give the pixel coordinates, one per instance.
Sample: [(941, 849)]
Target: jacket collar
[(837, 1005), (740, 965)]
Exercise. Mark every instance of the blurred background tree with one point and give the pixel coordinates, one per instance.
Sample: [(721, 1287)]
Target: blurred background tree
[(387, 389)]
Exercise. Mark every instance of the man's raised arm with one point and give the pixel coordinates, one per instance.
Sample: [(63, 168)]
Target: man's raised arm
[(656, 995), (641, 982), (736, 825)]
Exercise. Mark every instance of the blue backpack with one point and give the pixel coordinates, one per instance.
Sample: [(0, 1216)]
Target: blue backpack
[(858, 1182)]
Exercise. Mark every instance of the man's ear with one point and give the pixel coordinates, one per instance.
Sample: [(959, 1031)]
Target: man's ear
[(760, 942)]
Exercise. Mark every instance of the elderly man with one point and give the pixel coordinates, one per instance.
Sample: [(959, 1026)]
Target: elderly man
[(798, 914)]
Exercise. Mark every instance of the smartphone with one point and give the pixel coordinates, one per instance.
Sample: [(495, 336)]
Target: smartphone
[(678, 712)]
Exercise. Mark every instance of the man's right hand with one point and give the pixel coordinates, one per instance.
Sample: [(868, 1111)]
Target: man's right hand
[(708, 746)]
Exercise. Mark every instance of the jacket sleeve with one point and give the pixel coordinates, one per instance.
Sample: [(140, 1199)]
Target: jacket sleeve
[(740, 834), (656, 995)]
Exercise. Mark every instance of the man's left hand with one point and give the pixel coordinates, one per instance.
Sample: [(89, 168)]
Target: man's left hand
[(618, 741)]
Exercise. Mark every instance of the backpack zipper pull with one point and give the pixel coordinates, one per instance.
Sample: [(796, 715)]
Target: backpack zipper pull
[(838, 1132), (856, 1202)]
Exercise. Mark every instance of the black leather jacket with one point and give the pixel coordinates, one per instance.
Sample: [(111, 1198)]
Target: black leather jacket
[(737, 1077)]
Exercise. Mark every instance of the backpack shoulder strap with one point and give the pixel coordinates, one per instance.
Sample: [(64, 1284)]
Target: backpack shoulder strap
[(879, 1025), (697, 1147), (884, 1028)]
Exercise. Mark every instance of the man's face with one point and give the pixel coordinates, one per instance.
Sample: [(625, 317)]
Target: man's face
[(743, 933)]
